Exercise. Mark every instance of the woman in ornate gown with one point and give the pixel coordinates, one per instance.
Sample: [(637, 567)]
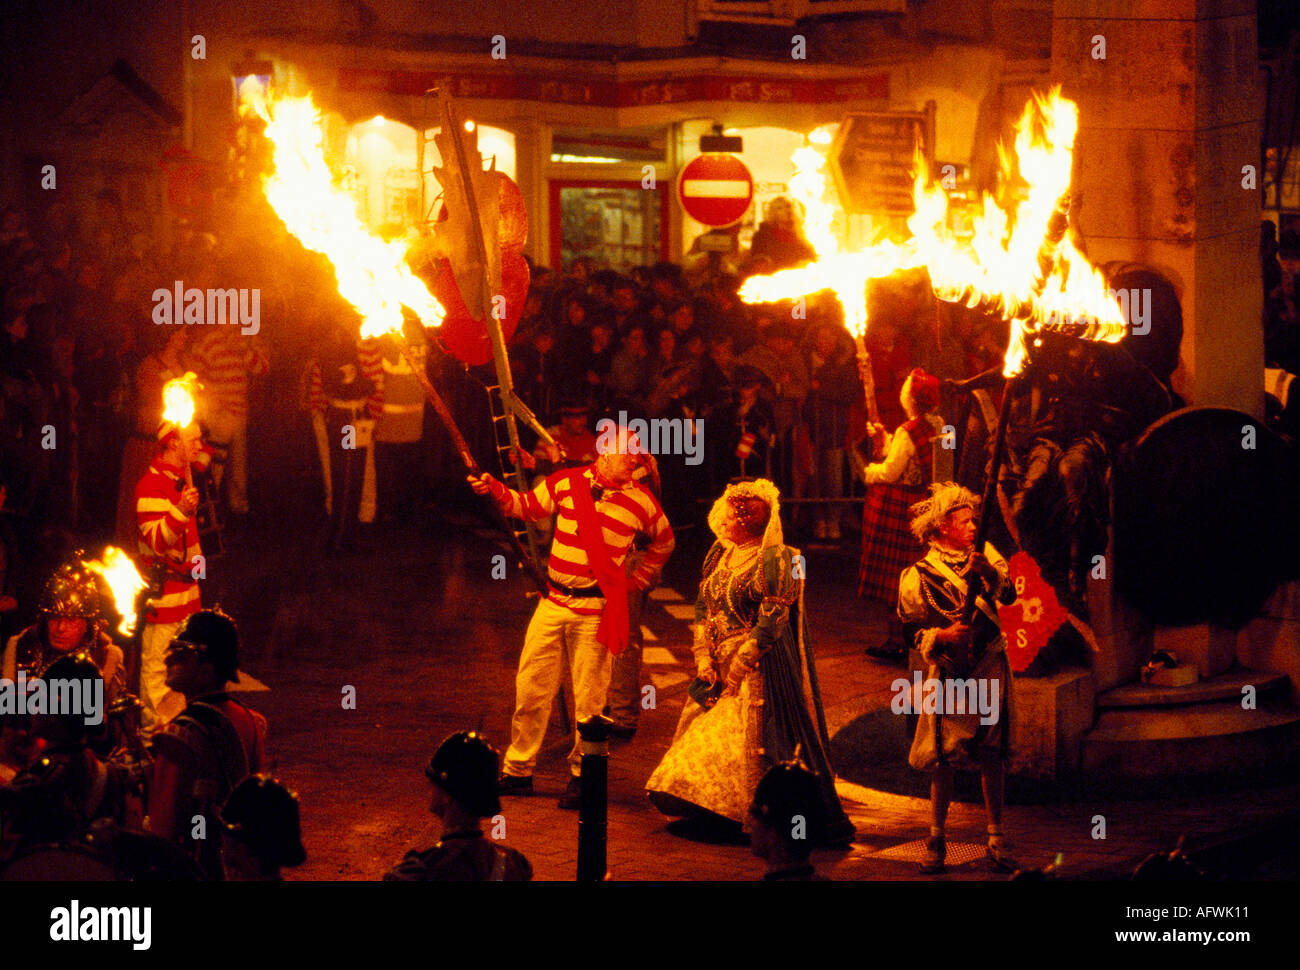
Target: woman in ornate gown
[(750, 653)]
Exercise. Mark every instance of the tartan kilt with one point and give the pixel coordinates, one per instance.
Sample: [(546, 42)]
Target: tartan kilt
[(888, 546)]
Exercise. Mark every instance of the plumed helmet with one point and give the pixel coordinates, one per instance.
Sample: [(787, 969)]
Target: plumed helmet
[(217, 634), (72, 591), (263, 814), (465, 767)]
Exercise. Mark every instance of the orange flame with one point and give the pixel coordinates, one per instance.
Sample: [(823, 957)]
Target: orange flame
[(178, 400), (1018, 261), (372, 273), (123, 580)]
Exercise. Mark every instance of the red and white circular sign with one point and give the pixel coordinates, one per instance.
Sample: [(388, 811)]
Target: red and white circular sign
[(715, 189)]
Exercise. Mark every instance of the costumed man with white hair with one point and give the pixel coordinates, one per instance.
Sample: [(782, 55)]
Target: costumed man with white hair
[(600, 508), (931, 598)]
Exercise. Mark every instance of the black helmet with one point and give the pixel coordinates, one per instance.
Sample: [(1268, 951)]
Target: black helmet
[(68, 727), (263, 814), (216, 634), (788, 789), (465, 767)]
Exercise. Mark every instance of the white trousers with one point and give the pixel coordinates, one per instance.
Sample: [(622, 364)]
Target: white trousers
[(231, 432), (368, 493), (161, 703), (552, 630)]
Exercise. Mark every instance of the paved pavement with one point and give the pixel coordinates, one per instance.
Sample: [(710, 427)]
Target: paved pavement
[(428, 640)]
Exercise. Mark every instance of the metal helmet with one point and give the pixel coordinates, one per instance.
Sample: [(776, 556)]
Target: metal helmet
[(263, 814), (786, 790), (215, 633), (465, 767), (72, 591), (62, 726)]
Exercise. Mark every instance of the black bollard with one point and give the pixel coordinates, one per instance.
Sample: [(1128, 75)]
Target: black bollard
[(593, 800)]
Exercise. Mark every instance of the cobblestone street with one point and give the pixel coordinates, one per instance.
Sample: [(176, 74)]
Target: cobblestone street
[(430, 642)]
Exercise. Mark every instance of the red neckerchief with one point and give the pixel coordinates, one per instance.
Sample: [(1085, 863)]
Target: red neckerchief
[(922, 434), (610, 577)]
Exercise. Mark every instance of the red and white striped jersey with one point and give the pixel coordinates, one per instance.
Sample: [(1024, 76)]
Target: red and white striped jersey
[(223, 360), (168, 535), (371, 357), (623, 512)]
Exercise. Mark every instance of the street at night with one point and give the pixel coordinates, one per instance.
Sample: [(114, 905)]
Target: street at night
[(649, 442)]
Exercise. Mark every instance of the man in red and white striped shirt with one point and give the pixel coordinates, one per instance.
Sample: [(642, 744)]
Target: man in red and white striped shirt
[(224, 359), (169, 538), (599, 510)]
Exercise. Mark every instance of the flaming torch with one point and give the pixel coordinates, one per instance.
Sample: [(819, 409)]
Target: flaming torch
[(372, 273), (846, 273), (178, 409), (1019, 259), (125, 583), (131, 595)]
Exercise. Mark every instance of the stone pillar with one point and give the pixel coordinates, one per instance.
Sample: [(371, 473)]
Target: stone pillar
[(1170, 109), (532, 156)]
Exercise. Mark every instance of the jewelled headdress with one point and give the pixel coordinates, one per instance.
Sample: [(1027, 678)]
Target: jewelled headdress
[(764, 491)]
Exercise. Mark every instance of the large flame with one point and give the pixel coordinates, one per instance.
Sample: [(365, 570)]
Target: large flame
[(123, 580), (178, 400), (372, 273), (1019, 259)]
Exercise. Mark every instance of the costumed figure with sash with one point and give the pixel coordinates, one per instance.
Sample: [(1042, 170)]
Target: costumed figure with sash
[(746, 710), (905, 464), (966, 663), (599, 508)]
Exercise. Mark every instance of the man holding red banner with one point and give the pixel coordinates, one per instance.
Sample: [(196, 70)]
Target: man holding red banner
[(600, 508)]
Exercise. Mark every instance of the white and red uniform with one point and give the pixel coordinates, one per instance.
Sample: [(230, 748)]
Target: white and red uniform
[(371, 357), (564, 619), (224, 359), (169, 537)]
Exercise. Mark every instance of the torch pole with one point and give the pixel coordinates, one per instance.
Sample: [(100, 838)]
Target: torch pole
[(868, 378), (856, 459), (466, 456), (1057, 226), (990, 494)]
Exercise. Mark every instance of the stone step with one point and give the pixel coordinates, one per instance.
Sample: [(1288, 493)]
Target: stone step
[(1213, 738), (1221, 688)]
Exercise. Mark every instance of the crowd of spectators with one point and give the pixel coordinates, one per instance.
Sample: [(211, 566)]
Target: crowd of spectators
[(773, 387)]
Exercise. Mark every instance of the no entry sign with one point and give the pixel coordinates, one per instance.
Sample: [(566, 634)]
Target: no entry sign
[(715, 189)]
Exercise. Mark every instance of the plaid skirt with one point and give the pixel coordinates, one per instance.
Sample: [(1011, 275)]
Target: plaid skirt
[(888, 546)]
